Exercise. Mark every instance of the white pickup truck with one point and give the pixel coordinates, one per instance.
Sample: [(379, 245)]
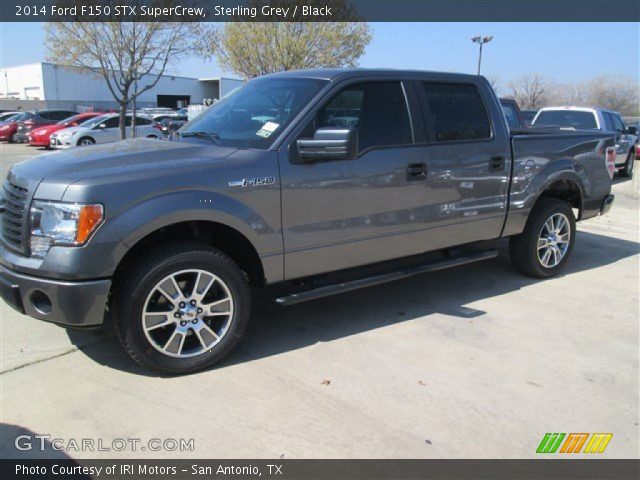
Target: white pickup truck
[(580, 118)]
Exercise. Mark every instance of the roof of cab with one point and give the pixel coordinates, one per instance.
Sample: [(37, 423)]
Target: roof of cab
[(338, 73)]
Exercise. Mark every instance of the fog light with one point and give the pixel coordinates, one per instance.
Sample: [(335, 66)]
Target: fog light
[(41, 302)]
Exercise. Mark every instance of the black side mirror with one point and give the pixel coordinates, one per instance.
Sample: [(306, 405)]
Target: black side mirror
[(632, 131), (329, 143)]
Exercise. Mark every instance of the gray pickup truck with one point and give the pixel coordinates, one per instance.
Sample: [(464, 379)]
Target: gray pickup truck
[(311, 183)]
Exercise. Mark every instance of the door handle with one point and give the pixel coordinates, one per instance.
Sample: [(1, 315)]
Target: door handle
[(416, 171), (496, 163)]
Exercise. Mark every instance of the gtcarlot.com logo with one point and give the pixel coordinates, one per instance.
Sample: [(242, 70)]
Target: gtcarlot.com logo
[(574, 443), (47, 442)]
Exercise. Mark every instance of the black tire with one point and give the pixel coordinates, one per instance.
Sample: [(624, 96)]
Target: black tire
[(136, 284), (627, 170), (90, 141), (523, 248)]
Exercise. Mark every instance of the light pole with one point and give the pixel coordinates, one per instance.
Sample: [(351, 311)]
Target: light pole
[(481, 40)]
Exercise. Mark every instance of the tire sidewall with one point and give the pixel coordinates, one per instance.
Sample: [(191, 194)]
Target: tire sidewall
[(132, 323), (80, 144), (535, 228)]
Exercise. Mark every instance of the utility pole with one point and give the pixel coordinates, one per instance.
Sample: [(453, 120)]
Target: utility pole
[(481, 40)]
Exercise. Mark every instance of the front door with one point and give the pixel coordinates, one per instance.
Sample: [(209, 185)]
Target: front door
[(346, 213)]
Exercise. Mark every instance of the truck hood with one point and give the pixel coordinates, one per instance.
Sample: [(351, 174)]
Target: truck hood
[(117, 159)]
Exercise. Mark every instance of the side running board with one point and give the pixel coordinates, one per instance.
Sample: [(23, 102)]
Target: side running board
[(342, 287)]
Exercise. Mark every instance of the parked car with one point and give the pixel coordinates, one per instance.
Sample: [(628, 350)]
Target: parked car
[(171, 124), (634, 128), (528, 116), (41, 136), (511, 110), (172, 236), (40, 118), (9, 127), (4, 116), (101, 129), (595, 119)]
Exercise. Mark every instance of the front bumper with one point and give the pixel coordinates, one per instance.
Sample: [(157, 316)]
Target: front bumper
[(72, 304), (57, 142), (22, 137)]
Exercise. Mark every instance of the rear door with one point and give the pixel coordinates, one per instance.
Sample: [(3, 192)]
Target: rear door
[(623, 143), (346, 213), (469, 162)]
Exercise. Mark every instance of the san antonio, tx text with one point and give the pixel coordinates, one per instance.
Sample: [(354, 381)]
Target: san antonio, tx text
[(140, 469)]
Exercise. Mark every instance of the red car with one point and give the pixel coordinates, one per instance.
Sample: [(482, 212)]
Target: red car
[(41, 136), (9, 127)]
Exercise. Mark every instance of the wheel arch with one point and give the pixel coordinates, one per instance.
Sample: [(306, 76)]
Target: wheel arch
[(227, 239)]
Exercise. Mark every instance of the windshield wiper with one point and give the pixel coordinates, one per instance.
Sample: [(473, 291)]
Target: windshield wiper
[(213, 136)]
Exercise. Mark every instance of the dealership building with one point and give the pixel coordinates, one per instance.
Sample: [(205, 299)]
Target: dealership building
[(49, 85)]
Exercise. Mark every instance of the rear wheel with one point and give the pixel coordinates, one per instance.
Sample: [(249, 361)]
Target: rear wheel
[(627, 171), (544, 246), (181, 308), (84, 141)]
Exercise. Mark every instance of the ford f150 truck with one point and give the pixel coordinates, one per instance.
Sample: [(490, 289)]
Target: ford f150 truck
[(310, 182)]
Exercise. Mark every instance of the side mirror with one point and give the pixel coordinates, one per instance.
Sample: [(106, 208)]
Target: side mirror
[(329, 143), (632, 131), (102, 125)]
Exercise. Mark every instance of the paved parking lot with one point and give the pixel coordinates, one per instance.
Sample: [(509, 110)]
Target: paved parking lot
[(472, 362)]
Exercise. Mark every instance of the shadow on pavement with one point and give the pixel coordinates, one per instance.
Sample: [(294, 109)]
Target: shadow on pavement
[(274, 330), (31, 447)]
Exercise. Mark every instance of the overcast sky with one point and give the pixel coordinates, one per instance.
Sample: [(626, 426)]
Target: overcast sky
[(565, 52)]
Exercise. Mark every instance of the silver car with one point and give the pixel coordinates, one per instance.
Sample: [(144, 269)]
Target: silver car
[(102, 129)]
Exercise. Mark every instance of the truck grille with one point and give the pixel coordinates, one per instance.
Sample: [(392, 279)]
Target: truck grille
[(14, 199)]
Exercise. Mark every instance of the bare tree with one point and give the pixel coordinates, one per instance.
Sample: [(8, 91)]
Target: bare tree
[(494, 81), (615, 93), (123, 54), (251, 49), (530, 91)]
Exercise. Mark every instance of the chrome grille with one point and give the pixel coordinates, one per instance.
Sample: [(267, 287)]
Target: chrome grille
[(14, 201)]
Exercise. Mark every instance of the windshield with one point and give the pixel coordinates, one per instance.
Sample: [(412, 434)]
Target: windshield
[(73, 118), (95, 121), (567, 118), (12, 118), (252, 116)]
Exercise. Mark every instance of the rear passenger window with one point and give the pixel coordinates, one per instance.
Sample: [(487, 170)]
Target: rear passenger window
[(377, 110), (457, 112)]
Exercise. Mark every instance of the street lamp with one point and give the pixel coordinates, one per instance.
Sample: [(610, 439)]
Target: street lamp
[(481, 39)]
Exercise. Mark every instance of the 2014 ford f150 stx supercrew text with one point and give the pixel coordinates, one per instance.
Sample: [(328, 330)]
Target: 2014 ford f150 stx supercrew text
[(311, 183)]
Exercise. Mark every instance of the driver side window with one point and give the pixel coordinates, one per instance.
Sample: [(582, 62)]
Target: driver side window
[(113, 122), (377, 110)]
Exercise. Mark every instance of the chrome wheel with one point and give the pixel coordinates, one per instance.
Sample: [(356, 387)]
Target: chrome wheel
[(553, 241), (187, 313), (86, 141)]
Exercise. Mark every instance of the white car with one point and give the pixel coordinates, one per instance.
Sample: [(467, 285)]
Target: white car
[(102, 129)]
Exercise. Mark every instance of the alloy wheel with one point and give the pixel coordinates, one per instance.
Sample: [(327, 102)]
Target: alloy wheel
[(187, 313), (553, 241)]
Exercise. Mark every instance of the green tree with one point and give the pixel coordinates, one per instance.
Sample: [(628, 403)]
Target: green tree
[(130, 57), (251, 49)]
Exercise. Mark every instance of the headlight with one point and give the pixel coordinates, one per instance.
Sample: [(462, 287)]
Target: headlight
[(68, 224), (64, 134)]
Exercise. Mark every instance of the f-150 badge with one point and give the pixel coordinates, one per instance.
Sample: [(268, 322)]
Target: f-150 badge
[(253, 182)]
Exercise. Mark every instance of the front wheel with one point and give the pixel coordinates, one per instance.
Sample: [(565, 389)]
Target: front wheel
[(544, 246), (181, 308), (85, 141)]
